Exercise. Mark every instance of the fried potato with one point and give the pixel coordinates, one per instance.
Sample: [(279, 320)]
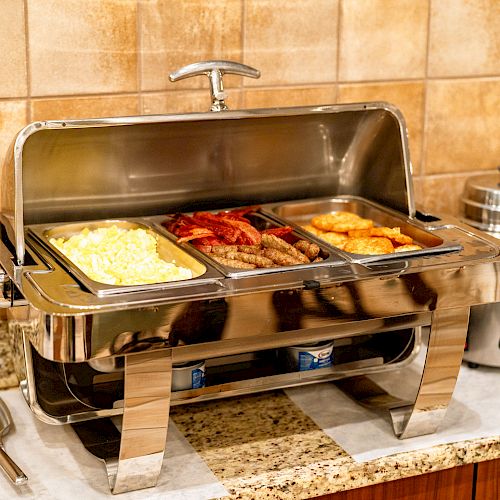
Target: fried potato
[(352, 233), (393, 234), (359, 233), (407, 248), (369, 245), (333, 238), (312, 229), (340, 222)]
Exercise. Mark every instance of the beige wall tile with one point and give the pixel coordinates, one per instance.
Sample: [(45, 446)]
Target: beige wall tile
[(407, 96), (383, 39), (13, 118), (13, 49), (464, 38), (185, 101), (463, 125), (174, 34), (440, 194), (291, 42), (84, 107), (417, 192), (290, 96), (82, 47)]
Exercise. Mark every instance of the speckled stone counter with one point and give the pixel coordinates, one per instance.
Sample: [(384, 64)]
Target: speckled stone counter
[(7, 377), (263, 446), (253, 447)]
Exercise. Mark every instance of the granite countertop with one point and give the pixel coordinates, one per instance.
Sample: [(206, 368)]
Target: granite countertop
[(264, 446), (7, 377), (258, 446)]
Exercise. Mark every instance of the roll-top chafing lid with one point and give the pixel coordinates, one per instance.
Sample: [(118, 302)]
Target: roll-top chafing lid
[(145, 165)]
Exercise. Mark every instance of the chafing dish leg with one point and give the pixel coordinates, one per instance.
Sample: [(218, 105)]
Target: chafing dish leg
[(442, 364), (146, 406)]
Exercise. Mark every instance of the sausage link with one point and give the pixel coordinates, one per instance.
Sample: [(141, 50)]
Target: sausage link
[(271, 241), (250, 258), (238, 264), (255, 249), (223, 249), (281, 258), (310, 250)]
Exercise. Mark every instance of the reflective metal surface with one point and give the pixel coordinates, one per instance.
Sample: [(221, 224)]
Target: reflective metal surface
[(166, 248), (215, 71), (11, 469), (71, 393), (71, 325), (442, 364), (164, 164), (481, 201), (156, 165), (301, 213), (483, 339), (148, 378), (481, 206)]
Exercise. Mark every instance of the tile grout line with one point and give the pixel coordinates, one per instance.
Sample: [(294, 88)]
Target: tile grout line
[(138, 47), (28, 66), (242, 97), (326, 84), (339, 30), (423, 146), (444, 175)]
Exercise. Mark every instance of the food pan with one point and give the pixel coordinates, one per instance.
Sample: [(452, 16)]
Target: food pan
[(167, 250), (300, 214), (263, 222)]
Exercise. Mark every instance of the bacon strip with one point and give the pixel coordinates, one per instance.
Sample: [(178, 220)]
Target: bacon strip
[(231, 239), (248, 234), (195, 233), (278, 231), (221, 227)]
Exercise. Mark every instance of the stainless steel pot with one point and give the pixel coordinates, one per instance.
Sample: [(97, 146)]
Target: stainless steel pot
[(481, 202)]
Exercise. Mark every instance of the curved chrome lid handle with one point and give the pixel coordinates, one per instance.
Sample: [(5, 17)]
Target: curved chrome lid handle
[(215, 70)]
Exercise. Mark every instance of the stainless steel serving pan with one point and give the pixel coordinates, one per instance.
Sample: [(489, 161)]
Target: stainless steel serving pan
[(166, 248), (263, 221), (301, 213)]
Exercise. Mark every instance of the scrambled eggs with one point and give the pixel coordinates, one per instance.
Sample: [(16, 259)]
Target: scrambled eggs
[(117, 256)]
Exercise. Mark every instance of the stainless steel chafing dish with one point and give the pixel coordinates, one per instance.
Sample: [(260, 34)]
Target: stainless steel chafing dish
[(88, 351)]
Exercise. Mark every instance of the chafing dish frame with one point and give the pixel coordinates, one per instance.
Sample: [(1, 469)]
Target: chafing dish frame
[(350, 146)]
